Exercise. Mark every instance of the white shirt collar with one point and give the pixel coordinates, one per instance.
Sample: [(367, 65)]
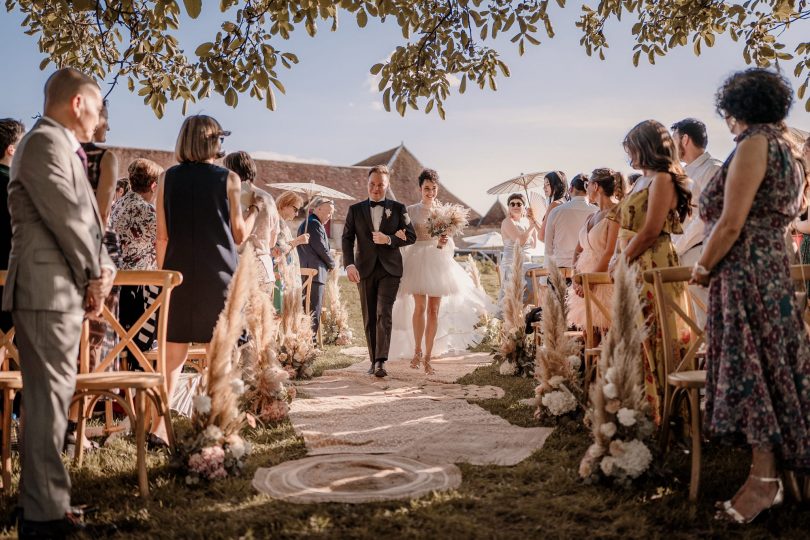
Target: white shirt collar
[(380, 200), (700, 160), (74, 142)]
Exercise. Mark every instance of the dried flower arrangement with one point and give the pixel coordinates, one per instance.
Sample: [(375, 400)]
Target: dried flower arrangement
[(335, 322), (559, 391), (268, 395), (296, 351), (514, 351), (447, 220), (620, 415), (214, 448)]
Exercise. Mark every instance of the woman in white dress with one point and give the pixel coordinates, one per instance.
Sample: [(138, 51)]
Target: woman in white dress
[(519, 228), (597, 240), (437, 303)]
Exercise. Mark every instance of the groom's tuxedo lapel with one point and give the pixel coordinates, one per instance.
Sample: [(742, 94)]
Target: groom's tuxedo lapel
[(367, 214)]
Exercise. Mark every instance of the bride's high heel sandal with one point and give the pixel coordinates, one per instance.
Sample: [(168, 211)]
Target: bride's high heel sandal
[(428, 370), (417, 359), (729, 513)]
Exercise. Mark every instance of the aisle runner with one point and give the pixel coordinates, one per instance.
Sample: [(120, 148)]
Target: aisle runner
[(408, 414)]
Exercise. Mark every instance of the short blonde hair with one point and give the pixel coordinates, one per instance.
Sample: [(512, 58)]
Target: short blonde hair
[(288, 198), (198, 139)]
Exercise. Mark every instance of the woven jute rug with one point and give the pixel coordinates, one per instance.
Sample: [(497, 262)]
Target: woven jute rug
[(351, 415), (354, 478)]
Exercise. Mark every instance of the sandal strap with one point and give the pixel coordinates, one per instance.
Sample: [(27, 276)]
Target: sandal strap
[(764, 479), (733, 514)]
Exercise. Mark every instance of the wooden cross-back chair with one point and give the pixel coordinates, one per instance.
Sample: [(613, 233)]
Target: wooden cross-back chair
[(682, 371), (593, 305), (310, 274), (10, 384), (147, 385)]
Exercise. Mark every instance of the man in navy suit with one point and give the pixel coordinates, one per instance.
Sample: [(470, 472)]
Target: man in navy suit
[(316, 253)]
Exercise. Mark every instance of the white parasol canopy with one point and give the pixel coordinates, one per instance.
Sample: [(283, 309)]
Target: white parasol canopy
[(311, 189), (521, 182), (484, 241)]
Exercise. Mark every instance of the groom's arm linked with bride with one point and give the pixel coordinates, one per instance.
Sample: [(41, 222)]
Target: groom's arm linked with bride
[(376, 266)]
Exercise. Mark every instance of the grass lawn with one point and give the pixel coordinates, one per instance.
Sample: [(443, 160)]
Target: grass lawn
[(542, 497)]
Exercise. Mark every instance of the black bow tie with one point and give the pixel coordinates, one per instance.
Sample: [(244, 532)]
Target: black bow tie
[(376, 203)]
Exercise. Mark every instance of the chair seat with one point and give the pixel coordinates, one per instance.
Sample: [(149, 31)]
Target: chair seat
[(10, 380), (118, 379), (594, 351), (688, 379), (576, 334), (194, 353)]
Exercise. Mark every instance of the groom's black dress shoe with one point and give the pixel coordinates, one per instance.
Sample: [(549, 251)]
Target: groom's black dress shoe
[(371, 369), (380, 370)]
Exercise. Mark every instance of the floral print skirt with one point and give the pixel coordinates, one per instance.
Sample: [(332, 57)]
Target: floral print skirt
[(758, 356)]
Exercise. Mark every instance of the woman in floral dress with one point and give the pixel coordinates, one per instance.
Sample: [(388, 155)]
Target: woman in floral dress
[(758, 357), (647, 218)]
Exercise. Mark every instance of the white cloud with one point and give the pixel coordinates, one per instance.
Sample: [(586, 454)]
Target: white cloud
[(276, 156), (377, 105)]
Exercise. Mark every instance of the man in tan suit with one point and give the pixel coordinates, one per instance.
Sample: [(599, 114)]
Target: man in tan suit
[(58, 272)]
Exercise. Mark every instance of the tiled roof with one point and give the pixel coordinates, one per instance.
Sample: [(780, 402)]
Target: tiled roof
[(494, 216), (351, 180)]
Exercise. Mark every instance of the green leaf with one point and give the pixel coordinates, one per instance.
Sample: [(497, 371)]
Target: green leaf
[(376, 68), (362, 18), (193, 8), (461, 89), (271, 100)]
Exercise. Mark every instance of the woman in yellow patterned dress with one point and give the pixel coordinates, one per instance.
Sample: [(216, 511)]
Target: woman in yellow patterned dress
[(654, 210)]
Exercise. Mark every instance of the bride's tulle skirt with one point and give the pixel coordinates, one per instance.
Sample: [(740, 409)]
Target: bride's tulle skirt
[(430, 271)]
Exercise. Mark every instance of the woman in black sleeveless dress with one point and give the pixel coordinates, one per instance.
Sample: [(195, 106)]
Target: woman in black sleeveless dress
[(199, 225)]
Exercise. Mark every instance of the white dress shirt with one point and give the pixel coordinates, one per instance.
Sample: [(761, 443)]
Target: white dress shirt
[(377, 214), (700, 171), (562, 230)]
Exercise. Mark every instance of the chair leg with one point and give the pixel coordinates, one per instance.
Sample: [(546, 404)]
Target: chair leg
[(668, 405), (78, 451), (7, 401), (140, 441), (166, 411), (694, 412)]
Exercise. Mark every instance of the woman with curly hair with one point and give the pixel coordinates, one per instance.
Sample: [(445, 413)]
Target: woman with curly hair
[(758, 356), (655, 210)]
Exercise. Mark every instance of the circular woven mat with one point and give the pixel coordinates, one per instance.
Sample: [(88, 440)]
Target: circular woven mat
[(354, 478)]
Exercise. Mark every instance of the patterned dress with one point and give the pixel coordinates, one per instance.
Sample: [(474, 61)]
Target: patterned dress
[(631, 214), (758, 357)]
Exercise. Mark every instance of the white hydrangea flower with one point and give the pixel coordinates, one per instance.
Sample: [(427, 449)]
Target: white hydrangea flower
[(610, 390), (556, 381), (237, 447), (559, 403), (202, 403), (607, 465), (574, 362), (635, 459), (610, 374), (213, 433), (627, 417), (507, 368), (238, 386), (608, 429)]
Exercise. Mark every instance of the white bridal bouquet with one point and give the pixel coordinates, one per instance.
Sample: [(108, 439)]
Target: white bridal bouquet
[(447, 220)]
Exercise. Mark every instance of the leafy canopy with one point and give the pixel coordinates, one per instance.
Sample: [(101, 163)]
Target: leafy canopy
[(133, 40)]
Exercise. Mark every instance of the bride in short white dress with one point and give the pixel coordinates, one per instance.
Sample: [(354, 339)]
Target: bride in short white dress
[(437, 299)]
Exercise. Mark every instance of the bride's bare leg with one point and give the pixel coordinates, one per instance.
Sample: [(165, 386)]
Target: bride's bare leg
[(418, 321), (433, 304)]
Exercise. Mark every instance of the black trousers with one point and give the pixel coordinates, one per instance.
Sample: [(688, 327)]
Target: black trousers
[(315, 306), (377, 294)]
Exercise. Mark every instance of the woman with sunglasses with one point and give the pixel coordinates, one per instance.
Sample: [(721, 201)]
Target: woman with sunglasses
[(288, 204), (520, 228)]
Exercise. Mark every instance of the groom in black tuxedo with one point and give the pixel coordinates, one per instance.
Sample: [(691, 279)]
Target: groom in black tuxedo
[(377, 265)]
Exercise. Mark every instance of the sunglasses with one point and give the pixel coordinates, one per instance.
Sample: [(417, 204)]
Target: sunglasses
[(516, 204)]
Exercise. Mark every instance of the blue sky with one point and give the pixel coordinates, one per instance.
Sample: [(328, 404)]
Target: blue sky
[(560, 109)]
